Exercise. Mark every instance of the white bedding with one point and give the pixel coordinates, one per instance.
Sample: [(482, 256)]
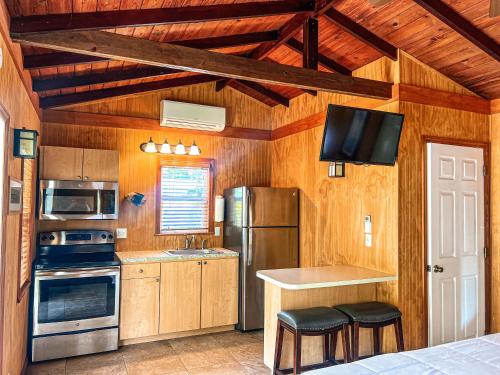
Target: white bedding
[(469, 357)]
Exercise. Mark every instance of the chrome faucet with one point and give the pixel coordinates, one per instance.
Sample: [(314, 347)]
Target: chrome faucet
[(189, 241)]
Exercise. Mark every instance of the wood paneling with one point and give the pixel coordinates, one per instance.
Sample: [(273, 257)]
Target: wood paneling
[(17, 104), (180, 296), (495, 221), (238, 162), (219, 292)]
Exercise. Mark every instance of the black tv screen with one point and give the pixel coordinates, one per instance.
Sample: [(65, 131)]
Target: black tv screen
[(361, 136)]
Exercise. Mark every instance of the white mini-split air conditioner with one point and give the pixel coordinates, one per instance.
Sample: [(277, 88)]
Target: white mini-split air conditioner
[(192, 116)]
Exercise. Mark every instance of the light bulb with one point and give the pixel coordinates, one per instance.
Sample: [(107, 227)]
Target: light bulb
[(180, 149), (165, 148), (150, 146), (194, 150)]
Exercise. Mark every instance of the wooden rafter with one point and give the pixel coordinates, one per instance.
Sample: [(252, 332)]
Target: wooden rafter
[(310, 46), (359, 32), (158, 16), (462, 26), (379, 3), (57, 83), (494, 8), (86, 96), (323, 60), (286, 32), (259, 92), (126, 48), (65, 58)]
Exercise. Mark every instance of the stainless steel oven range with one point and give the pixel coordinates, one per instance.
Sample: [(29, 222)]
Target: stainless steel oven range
[(75, 295)]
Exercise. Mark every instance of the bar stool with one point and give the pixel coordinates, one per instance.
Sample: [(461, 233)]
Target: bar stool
[(372, 315), (315, 321)]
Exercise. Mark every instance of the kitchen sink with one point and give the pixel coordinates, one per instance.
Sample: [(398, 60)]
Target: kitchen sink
[(193, 252)]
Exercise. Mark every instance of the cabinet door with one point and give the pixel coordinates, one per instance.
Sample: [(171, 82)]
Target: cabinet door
[(180, 296), (219, 292), (100, 165), (61, 163), (139, 308)]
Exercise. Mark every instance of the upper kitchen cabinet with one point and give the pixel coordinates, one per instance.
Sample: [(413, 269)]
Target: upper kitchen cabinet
[(100, 165), (61, 163), (76, 164)]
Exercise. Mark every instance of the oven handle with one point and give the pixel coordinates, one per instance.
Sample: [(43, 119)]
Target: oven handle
[(80, 272)]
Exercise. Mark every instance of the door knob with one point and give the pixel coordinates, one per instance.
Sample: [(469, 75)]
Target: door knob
[(438, 269)]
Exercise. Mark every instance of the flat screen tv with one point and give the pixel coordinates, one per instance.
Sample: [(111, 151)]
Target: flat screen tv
[(361, 136)]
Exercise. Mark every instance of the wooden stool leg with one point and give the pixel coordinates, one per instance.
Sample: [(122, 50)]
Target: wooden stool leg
[(376, 340), (326, 347), (398, 327), (297, 352), (346, 347), (333, 345), (278, 347), (355, 341)]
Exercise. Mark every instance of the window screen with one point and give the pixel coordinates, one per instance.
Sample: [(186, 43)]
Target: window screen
[(185, 197)]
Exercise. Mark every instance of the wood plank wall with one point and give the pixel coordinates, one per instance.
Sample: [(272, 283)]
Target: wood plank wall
[(242, 110), (238, 161), (495, 220), (16, 102)]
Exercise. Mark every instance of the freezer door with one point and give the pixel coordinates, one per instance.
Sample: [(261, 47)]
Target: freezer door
[(273, 207), (267, 248)]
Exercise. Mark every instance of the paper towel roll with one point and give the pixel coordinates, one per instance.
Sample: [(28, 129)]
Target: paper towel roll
[(219, 208)]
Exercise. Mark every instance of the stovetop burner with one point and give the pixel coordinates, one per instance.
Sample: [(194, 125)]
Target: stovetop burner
[(75, 249)]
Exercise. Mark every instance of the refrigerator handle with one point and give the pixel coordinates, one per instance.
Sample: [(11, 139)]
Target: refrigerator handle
[(249, 205), (250, 249)]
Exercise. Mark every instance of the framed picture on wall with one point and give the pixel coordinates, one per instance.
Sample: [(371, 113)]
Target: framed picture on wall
[(15, 195)]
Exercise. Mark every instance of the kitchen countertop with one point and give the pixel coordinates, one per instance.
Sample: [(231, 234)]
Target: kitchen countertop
[(132, 257), (323, 277)]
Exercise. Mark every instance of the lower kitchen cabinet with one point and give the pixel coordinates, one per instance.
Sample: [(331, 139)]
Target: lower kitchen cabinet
[(180, 296), (139, 307), (219, 292)]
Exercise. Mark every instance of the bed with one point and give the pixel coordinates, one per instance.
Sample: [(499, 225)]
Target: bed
[(469, 357)]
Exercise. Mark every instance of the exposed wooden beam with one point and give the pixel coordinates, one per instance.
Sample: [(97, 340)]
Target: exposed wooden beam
[(158, 16), (50, 60), (462, 26), (62, 82), (378, 3), (286, 32), (50, 116), (87, 96), (359, 32), (127, 48), (310, 46), (260, 92), (323, 60), (494, 8)]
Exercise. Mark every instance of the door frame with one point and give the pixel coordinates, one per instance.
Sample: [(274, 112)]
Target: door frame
[(487, 223), (4, 212)]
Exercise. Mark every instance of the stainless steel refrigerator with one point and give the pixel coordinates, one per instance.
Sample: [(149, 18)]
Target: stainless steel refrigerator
[(261, 224)]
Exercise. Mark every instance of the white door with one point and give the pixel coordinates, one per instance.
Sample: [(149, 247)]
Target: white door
[(455, 243)]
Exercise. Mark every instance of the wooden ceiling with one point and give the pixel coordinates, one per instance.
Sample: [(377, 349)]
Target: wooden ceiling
[(351, 33)]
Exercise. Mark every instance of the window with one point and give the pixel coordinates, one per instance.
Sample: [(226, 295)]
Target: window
[(26, 226), (185, 197)]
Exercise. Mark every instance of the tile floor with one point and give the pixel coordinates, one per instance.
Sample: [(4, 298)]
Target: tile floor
[(221, 353)]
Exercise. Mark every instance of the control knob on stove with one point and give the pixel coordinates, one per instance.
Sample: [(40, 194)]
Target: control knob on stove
[(103, 236), (110, 236), (51, 237), (44, 238)]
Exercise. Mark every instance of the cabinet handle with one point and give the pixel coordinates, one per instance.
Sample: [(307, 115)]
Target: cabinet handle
[(205, 262), (79, 177), (158, 280), (86, 178), (141, 271), (199, 263)]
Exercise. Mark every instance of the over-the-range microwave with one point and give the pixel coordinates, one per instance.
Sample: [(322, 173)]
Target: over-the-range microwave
[(78, 200)]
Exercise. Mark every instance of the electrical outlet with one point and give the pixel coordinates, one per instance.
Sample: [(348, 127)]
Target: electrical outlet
[(1, 57), (368, 224), (217, 231), (368, 240), (121, 233)]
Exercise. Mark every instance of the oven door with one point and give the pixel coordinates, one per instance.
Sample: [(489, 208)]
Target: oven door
[(75, 299)]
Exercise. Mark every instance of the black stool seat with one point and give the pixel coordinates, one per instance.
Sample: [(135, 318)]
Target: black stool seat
[(370, 312), (313, 319)]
